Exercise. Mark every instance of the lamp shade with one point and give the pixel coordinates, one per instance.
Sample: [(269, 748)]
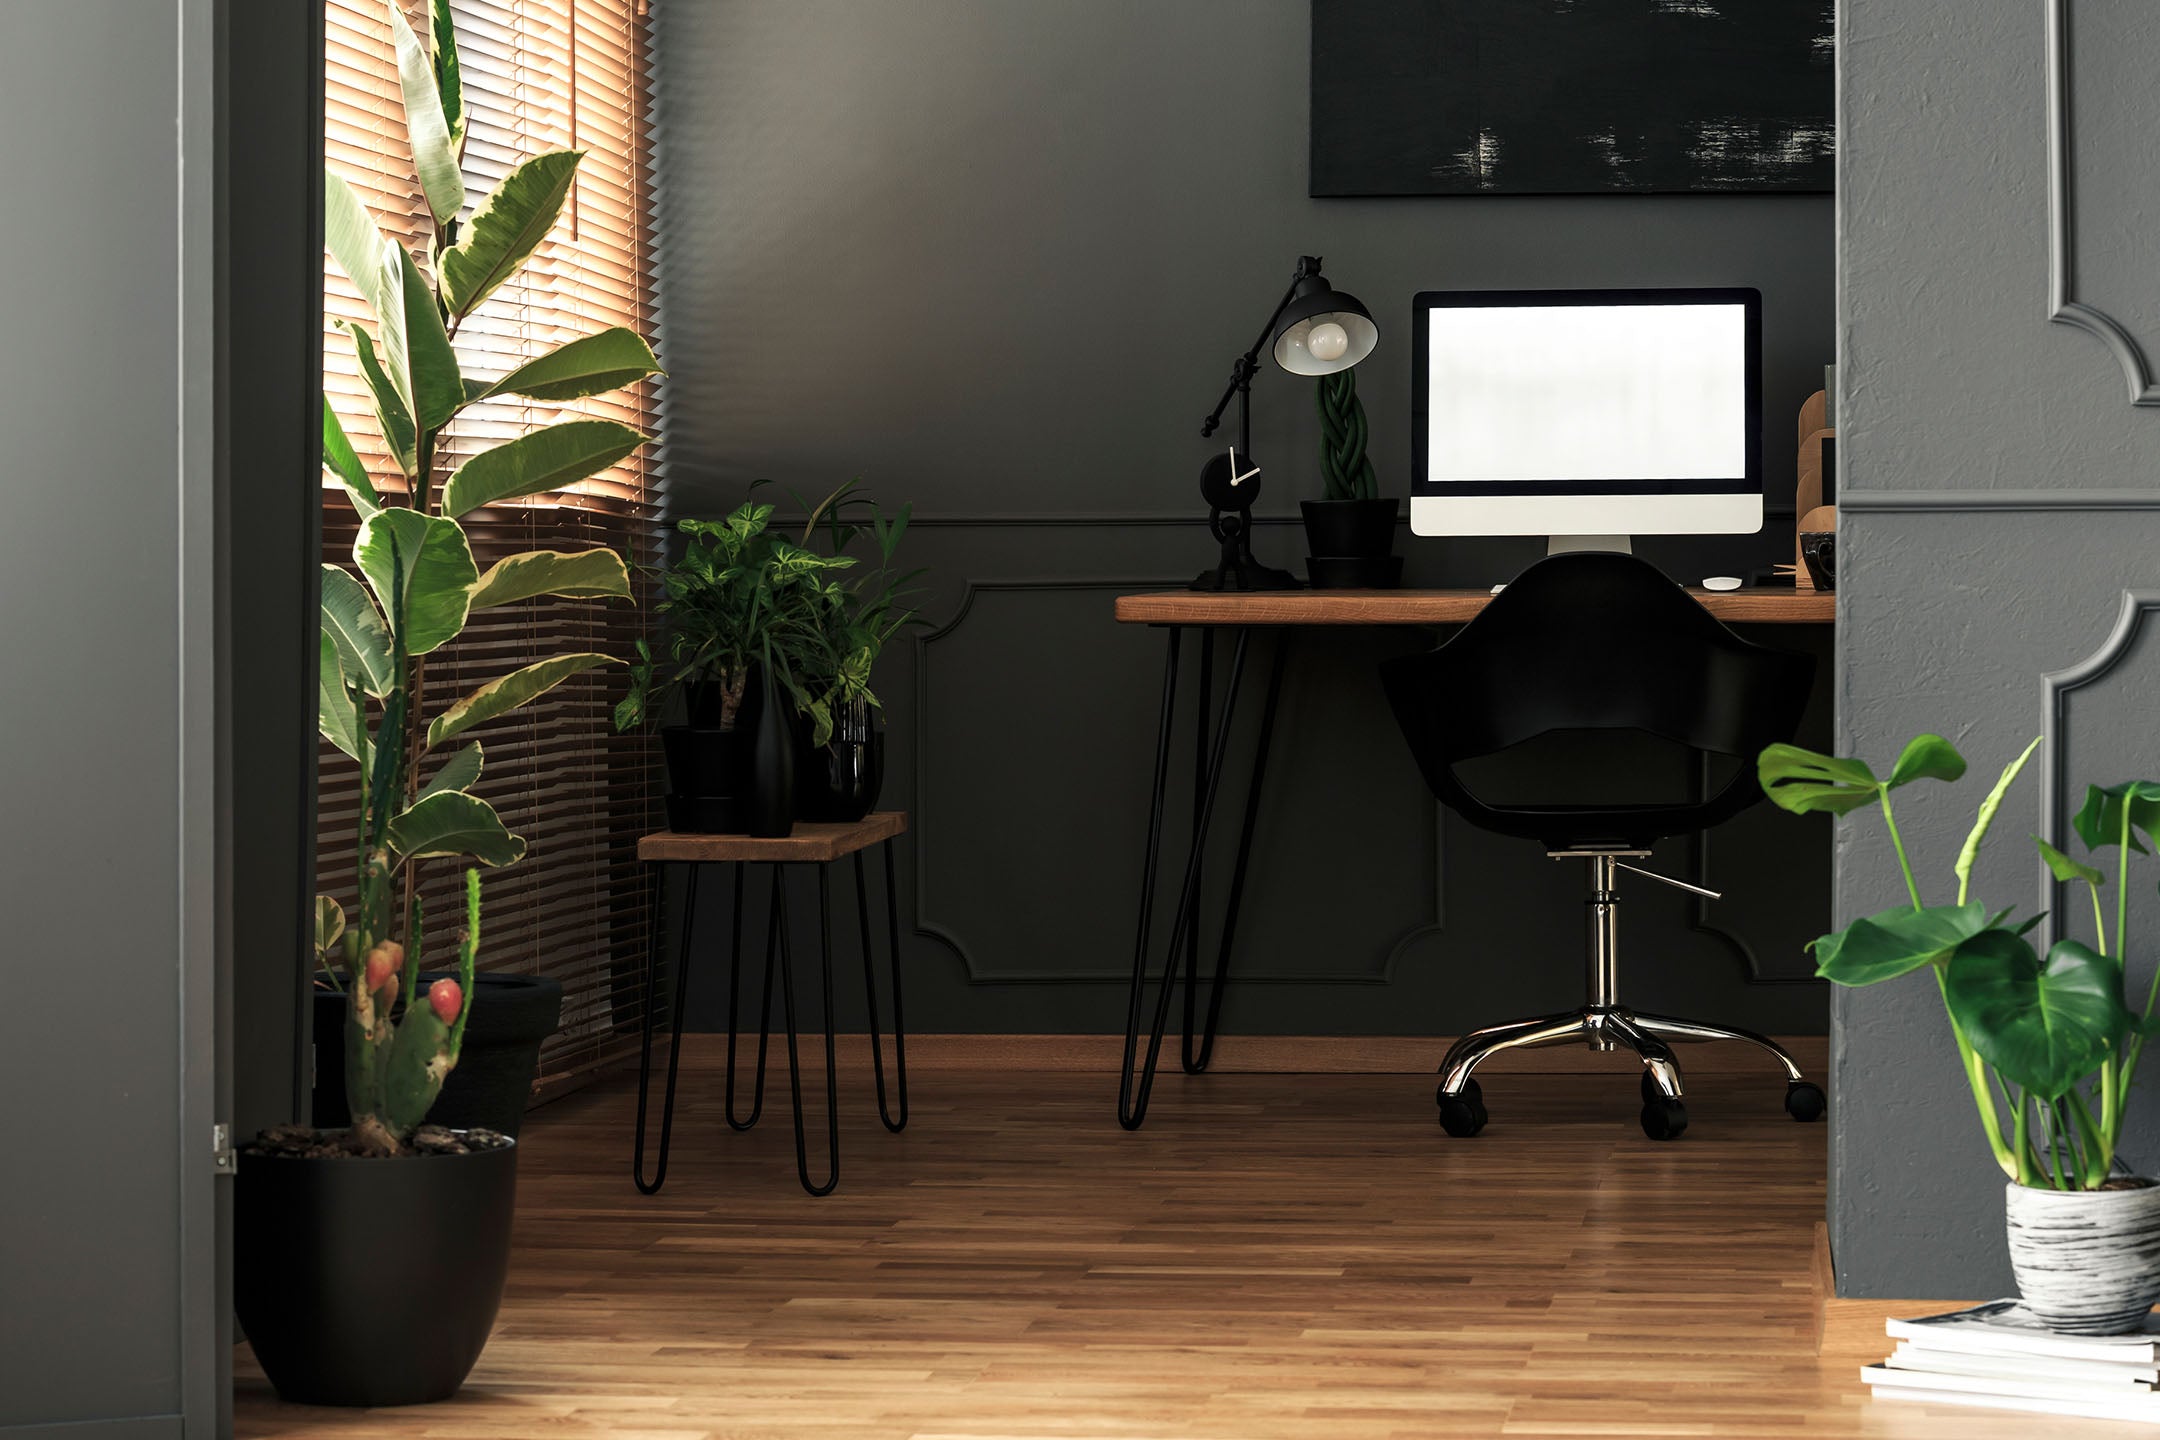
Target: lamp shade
[(1322, 330)]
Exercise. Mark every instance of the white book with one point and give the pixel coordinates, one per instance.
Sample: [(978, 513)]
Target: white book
[(2004, 1327), (1911, 1355), (2139, 1402), (2113, 1409)]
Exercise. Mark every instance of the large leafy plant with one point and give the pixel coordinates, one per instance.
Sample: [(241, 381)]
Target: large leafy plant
[(2049, 1045), (741, 594), (413, 583)]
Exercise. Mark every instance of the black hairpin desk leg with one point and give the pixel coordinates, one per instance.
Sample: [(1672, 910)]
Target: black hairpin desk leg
[(1137, 1077)]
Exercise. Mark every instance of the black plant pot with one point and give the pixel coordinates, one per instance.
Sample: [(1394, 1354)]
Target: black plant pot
[(511, 1015), (840, 779), (706, 766), (371, 1282), (770, 784), (1352, 542)]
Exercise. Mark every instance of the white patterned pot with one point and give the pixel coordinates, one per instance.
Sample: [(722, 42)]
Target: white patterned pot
[(2087, 1261)]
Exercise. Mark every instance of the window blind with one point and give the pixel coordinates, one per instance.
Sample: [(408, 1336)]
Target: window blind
[(538, 75)]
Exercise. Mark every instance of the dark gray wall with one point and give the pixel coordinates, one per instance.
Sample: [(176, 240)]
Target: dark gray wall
[(108, 1267), (997, 258), (2000, 507)]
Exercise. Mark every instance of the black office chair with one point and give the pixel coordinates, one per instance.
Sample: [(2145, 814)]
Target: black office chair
[(1595, 642)]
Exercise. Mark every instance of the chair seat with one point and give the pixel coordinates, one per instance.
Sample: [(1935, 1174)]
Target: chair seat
[(1568, 827)]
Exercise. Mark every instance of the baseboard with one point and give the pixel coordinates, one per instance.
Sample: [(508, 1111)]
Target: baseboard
[(1265, 1054)]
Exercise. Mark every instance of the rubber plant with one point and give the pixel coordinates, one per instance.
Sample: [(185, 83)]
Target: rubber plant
[(2049, 1045), (413, 583)]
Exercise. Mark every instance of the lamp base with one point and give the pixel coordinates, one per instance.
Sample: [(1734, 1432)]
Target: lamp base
[(1238, 570)]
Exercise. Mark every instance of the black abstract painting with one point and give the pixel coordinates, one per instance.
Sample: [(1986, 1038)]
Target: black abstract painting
[(1543, 97)]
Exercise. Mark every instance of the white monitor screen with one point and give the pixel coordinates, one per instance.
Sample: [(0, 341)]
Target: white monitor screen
[(1586, 393)]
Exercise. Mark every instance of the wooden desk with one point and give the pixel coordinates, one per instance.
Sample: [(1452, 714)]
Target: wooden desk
[(1780, 606), (1284, 612)]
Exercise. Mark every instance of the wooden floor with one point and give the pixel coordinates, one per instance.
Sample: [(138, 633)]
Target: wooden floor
[(1272, 1256)]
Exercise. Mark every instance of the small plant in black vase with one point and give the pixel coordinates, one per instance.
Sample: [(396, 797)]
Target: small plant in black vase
[(1351, 530)]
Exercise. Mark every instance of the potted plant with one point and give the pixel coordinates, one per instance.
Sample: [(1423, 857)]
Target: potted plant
[(2049, 1047), (745, 612), (840, 742), (371, 1259), (1352, 530)]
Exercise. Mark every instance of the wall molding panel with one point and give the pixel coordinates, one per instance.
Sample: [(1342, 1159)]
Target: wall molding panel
[(2063, 193), (2017, 502)]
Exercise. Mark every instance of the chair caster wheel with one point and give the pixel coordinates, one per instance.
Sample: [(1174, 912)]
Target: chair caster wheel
[(1664, 1119), (1472, 1092), (1804, 1101), (1650, 1092), (1462, 1115)]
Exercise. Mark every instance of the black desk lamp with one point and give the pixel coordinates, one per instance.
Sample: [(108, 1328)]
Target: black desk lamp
[(1315, 330)]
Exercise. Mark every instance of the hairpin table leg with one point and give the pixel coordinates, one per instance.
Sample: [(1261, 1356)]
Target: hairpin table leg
[(676, 996), (869, 973), (757, 1095), (1132, 1098), (787, 1005)]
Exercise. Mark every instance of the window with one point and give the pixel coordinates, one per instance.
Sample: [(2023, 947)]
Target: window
[(538, 75)]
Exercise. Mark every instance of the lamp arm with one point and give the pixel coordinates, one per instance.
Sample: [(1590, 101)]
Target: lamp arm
[(1248, 364)]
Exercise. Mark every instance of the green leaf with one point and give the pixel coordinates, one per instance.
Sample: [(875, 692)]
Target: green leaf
[(449, 83), (392, 412), (547, 459), (349, 234), (344, 464), (591, 366), (1883, 947), (452, 823), (438, 569), (1986, 817), (436, 387), (507, 227), (2045, 1027), (336, 715), (329, 926), (1803, 780), (426, 126), (351, 620), (512, 690), (582, 574), (2065, 869), (460, 772), (2099, 821), (1927, 757)]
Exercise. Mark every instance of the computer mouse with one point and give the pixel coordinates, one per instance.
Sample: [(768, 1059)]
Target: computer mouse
[(1722, 582)]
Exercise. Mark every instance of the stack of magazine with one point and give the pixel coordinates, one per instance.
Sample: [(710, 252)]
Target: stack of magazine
[(1999, 1357)]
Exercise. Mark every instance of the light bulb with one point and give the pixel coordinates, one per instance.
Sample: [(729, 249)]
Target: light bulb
[(1327, 341)]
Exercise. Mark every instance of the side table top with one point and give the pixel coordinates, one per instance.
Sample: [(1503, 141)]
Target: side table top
[(1426, 607), (814, 841)]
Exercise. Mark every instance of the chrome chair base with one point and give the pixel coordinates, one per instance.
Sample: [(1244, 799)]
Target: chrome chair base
[(1601, 1027)]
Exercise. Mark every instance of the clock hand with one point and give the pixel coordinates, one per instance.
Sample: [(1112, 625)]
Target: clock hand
[(1235, 478)]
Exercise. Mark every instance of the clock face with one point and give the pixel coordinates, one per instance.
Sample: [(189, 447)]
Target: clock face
[(1230, 481)]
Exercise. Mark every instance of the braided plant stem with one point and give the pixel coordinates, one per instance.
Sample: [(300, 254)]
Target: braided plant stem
[(1344, 470)]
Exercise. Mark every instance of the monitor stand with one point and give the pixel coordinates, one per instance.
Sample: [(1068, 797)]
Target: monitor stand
[(1569, 544)]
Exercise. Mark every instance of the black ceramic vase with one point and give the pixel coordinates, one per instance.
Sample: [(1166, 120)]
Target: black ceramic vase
[(371, 1282), (770, 784), (840, 779)]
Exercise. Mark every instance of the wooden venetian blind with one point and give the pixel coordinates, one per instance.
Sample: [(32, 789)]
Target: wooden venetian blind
[(539, 75)]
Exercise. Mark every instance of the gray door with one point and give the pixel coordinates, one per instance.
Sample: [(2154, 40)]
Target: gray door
[(1999, 252), (109, 1267)]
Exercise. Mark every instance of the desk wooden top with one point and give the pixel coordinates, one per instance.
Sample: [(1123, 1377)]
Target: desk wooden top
[(1427, 607), (814, 841)]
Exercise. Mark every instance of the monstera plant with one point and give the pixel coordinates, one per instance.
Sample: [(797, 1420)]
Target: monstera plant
[(426, 1296), (2048, 1044)]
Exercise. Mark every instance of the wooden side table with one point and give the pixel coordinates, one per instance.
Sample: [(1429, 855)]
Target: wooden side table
[(813, 843)]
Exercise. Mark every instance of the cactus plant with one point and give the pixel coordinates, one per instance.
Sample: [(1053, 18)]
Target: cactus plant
[(413, 582)]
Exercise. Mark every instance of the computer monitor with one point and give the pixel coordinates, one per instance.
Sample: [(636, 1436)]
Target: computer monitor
[(1587, 415)]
